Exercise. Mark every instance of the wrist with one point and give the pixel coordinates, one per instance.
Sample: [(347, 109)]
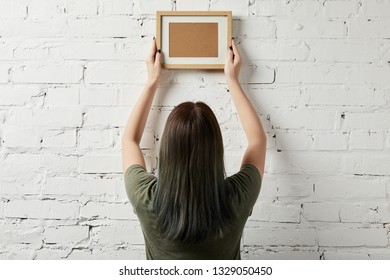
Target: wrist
[(152, 84), (233, 82)]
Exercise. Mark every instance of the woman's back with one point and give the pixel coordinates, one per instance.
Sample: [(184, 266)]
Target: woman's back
[(244, 188)]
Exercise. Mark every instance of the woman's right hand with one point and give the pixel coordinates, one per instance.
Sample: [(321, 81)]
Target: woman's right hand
[(233, 63)]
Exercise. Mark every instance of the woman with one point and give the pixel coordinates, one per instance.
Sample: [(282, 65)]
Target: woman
[(192, 211)]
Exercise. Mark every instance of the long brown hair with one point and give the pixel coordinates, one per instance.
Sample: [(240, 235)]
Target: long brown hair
[(192, 202)]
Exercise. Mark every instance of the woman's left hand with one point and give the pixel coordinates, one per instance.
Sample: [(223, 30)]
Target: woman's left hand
[(153, 63)]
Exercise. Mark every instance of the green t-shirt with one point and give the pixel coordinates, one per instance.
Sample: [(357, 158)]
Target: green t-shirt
[(140, 188)]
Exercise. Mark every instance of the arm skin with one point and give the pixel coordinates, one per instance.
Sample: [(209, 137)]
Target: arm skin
[(257, 140), (131, 151)]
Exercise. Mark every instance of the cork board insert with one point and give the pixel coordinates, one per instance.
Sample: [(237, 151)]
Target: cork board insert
[(193, 39)]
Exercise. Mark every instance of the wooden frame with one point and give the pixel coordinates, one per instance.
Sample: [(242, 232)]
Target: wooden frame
[(210, 25)]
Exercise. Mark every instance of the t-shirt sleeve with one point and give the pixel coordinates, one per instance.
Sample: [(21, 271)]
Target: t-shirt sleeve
[(246, 186), (139, 185)]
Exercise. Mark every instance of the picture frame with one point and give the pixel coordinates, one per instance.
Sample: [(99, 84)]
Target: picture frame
[(193, 39)]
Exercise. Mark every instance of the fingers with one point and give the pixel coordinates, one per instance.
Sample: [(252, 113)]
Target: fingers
[(158, 57), (153, 50), (230, 55), (235, 51)]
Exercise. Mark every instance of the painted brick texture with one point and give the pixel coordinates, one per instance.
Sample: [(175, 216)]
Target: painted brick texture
[(317, 72)]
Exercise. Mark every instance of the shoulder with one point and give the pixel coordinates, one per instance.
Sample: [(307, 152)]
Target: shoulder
[(139, 184), (246, 184), (248, 176)]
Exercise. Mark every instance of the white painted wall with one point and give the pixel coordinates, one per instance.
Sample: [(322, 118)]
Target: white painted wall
[(317, 71)]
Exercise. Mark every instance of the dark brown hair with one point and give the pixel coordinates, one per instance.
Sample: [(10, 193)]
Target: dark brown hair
[(192, 202)]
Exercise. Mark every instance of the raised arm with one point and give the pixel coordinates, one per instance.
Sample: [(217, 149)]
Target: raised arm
[(255, 152), (131, 151)]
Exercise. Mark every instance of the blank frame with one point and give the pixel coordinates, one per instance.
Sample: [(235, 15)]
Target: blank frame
[(194, 40)]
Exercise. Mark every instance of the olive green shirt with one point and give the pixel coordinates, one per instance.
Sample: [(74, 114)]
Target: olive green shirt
[(140, 188)]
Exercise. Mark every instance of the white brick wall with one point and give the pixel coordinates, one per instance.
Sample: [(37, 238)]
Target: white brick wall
[(316, 71)]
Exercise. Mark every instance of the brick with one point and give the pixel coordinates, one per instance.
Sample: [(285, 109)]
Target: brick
[(116, 7), (125, 253), (47, 74), (200, 5), (85, 51), (33, 49), (350, 188), (112, 211), (311, 73), (120, 234), (239, 8), (59, 138), (62, 96), (283, 8), (376, 8), (6, 51), (309, 28), (102, 27), (371, 75), (31, 28), (41, 209), (271, 212), (21, 174), (276, 96), (66, 234), (150, 7), (98, 96), (357, 254), (293, 141), (18, 234), (18, 95), (51, 254), (80, 254), (14, 136), (369, 121), (100, 164), (107, 116), (254, 28), (1, 209), (254, 74), (276, 50), (109, 188), (372, 165), (13, 8), (115, 73), (321, 212), (341, 9), (82, 8), (276, 254), (303, 120), (342, 95), (96, 139), (59, 163), (365, 212), (52, 118), (353, 237), (42, 8), (330, 141), (368, 28), (326, 50), (279, 236), (4, 69), (363, 140), (298, 162), (293, 186)]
